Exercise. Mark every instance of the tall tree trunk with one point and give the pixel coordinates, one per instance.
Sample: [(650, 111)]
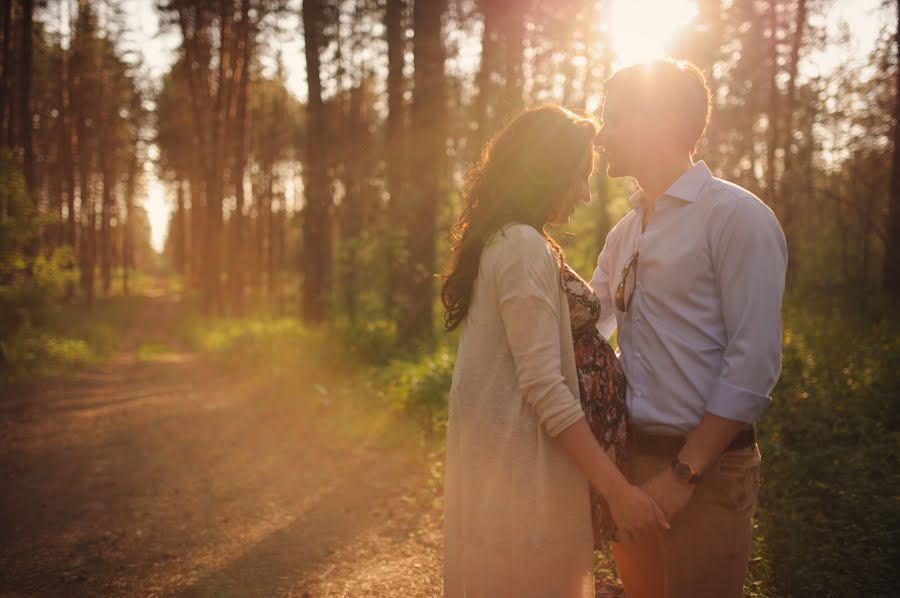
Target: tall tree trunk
[(104, 158), (892, 241), (354, 204), (194, 24), (773, 116), (514, 51), (68, 150), (88, 234), (106, 205), (395, 133), (27, 126), (428, 127), (237, 253), (281, 252), (485, 100), (127, 225), (259, 199), (197, 241), (789, 177), (270, 229), (317, 233), (86, 160), (11, 114), (179, 232), (7, 67), (65, 148)]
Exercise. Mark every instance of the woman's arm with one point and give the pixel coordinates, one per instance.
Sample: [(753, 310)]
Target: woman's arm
[(529, 307)]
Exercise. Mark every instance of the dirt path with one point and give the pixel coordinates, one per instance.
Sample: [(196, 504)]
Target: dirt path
[(169, 477)]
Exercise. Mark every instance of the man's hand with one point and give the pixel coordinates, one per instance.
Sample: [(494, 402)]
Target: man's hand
[(669, 493)]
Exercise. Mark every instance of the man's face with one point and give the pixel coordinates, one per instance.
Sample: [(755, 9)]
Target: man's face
[(620, 136), (624, 137)]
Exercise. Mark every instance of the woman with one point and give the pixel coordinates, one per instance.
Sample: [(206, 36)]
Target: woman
[(521, 456)]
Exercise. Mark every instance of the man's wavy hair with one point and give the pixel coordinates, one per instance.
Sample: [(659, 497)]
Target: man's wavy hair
[(666, 86), (523, 170)]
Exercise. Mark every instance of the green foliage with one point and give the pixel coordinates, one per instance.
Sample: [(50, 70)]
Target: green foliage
[(829, 521), (260, 343), (69, 337), (371, 341), (152, 350), (829, 510), (31, 283), (32, 350), (419, 388)]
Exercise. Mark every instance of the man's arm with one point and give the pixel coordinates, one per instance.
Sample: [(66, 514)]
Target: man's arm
[(750, 258), (606, 325)]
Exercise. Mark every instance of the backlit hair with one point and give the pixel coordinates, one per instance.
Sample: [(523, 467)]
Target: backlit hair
[(666, 86)]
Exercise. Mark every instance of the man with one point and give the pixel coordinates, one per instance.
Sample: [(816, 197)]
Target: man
[(693, 278)]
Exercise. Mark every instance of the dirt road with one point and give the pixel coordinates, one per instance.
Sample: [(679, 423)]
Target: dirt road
[(167, 476)]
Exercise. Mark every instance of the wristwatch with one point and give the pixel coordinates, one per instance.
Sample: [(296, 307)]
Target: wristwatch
[(684, 471)]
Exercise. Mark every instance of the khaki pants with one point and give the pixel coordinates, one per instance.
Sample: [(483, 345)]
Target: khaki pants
[(707, 551)]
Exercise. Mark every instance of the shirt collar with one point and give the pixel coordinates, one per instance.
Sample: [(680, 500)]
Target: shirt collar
[(685, 187)]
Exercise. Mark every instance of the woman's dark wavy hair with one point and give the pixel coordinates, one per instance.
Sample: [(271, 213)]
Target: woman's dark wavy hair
[(523, 170)]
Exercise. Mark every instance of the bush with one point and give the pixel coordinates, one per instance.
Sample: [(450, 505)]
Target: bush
[(829, 519), (372, 341), (420, 389)]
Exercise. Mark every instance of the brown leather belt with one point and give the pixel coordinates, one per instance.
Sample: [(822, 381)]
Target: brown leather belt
[(669, 446)]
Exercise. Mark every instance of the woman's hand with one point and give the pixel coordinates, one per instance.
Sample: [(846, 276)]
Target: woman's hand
[(634, 512), (632, 509)]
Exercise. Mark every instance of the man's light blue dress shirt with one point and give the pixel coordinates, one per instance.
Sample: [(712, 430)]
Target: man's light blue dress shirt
[(703, 332)]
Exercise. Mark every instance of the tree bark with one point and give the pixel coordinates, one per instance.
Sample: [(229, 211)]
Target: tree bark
[(7, 66), (67, 147), (773, 116), (237, 250), (127, 223), (485, 100), (514, 51), (395, 139), (787, 200), (429, 133), (317, 233), (179, 231), (11, 113), (892, 238), (106, 205), (27, 126)]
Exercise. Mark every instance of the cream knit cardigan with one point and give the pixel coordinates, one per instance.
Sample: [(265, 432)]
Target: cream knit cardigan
[(516, 507)]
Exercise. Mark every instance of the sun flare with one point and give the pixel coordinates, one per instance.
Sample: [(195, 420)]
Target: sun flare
[(158, 210), (640, 30)]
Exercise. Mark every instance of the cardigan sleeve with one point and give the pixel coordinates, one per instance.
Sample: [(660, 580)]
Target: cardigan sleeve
[(527, 276)]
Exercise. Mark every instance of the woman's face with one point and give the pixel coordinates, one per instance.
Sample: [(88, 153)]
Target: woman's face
[(578, 193)]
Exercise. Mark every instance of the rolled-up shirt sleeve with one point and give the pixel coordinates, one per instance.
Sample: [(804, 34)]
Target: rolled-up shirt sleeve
[(528, 294), (749, 254)]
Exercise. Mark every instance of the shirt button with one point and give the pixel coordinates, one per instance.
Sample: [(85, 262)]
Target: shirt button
[(637, 354), (638, 393)]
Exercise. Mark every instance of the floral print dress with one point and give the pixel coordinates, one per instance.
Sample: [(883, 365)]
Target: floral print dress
[(601, 382)]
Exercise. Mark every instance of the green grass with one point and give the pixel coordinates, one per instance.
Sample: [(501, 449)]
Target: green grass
[(66, 338), (152, 350)]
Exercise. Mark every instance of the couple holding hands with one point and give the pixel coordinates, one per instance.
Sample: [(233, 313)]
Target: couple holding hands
[(557, 445)]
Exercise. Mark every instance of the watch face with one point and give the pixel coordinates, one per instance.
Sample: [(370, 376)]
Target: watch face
[(683, 471)]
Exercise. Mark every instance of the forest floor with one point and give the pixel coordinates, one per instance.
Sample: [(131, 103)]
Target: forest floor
[(159, 474)]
